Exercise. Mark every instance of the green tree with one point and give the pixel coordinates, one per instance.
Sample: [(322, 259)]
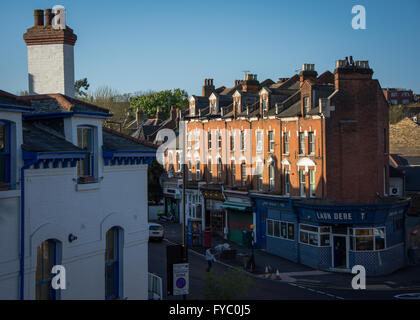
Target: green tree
[(396, 113), (118, 104), (230, 285), (79, 85), (150, 101), (154, 172)]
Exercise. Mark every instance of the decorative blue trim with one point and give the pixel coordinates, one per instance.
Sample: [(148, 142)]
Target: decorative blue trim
[(66, 114), (128, 157), (54, 157), (10, 107)]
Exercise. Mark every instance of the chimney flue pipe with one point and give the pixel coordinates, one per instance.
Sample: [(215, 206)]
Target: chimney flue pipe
[(38, 17)]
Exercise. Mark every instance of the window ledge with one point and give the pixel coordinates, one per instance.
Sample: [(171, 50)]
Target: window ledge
[(87, 186), (9, 194)]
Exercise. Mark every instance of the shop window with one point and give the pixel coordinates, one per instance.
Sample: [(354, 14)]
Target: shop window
[(280, 229), (314, 235), (367, 239), (48, 255)]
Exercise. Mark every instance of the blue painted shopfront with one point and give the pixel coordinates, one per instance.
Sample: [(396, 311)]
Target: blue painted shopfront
[(332, 237)]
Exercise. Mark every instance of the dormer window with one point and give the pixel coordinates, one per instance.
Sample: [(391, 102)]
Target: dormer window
[(213, 107), (192, 110), (264, 105), (4, 155), (306, 105), (238, 107), (86, 142)]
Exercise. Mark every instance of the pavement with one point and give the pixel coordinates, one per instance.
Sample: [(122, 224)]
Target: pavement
[(406, 279)]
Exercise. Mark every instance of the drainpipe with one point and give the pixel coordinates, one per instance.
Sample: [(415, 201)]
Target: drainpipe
[(22, 225)]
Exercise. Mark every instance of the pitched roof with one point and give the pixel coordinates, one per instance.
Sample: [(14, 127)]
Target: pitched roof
[(37, 139), (46, 103), (117, 141)]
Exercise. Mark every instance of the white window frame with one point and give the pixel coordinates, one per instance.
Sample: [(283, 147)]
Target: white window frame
[(353, 237), (259, 138), (270, 141), (318, 233), (280, 234)]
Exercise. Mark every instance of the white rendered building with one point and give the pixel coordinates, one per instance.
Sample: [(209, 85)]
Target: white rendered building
[(72, 193)]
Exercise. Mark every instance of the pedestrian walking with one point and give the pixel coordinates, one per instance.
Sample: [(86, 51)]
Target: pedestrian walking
[(210, 258)]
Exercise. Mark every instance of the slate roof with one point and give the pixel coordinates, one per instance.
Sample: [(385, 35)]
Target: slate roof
[(36, 139), (114, 140), (47, 103)]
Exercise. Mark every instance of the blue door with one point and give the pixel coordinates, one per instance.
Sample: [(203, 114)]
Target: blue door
[(261, 228)]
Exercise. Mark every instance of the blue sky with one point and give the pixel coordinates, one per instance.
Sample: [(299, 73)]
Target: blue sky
[(156, 45)]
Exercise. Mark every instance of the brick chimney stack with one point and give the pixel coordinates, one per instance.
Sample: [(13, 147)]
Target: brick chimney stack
[(50, 53), (250, 84), (208, 87), (173, 113), (308, 73), (348, 69)]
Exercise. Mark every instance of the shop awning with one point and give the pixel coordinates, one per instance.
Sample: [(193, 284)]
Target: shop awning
[(234, 205)]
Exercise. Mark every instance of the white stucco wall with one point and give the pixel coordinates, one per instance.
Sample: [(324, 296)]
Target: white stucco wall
[(56, 206), (51, 69)]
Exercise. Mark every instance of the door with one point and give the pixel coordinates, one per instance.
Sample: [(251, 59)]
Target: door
[(261, 241), (339, 250)]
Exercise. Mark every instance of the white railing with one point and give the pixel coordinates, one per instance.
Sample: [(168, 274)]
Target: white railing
[(155, 287)]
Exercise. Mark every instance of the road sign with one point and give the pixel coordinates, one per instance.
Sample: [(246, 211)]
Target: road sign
[(181, 278)]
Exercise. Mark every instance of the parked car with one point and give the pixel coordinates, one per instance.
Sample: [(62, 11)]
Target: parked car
[(156, 231)]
